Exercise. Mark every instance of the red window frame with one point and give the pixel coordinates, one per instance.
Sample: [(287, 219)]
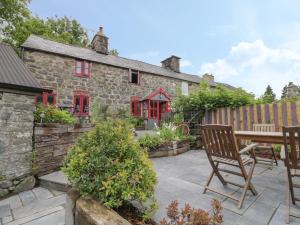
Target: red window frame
[(135, 106), (81, 96), (83, 66), (45, 96), (130, 76)]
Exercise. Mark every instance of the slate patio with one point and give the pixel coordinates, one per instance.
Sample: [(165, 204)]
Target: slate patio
[(181, 177)]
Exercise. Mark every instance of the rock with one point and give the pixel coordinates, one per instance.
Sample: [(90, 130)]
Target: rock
[(3, 192), (11, 188), (5, 184), (26, 184), (15, 182)]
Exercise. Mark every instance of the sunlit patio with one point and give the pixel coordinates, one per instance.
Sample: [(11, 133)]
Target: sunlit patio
[(183, 178)]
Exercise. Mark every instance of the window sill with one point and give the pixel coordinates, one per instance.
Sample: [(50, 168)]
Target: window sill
[(82, 76)]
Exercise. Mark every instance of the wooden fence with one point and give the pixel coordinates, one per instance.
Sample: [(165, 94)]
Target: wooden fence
[(243, 118)]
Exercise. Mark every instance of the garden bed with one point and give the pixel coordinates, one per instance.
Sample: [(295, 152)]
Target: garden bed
[(170, 148)]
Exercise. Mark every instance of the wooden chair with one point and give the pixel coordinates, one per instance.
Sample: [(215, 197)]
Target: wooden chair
[(292, 162), (258, 153), (222, 148)]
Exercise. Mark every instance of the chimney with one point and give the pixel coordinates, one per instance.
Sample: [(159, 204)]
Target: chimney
[(171, 63), (100, 42), (208, 77)]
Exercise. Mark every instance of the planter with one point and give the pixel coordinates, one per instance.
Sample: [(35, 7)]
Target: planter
[(87, 211), (171, 148)]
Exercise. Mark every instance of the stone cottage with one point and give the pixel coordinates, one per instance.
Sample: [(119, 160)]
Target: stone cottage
[(18, 89), (80, 76)]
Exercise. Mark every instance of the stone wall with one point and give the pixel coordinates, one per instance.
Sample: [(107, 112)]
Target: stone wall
[(16, 122), (109, 84), (51, 144)]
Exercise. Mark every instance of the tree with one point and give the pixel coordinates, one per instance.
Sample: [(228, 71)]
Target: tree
[(284, 92), (12, 12), (64, 30), (114, 52), (269, 96)]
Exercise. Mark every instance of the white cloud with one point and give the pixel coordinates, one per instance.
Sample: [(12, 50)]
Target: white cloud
[(253, 65), (185, 63)]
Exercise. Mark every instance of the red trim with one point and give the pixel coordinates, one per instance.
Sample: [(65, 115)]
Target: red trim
[(81, 95), (82, 68), (45, 96), (135, 106)]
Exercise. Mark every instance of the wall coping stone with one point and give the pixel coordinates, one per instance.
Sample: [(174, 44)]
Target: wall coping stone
[(90, 212)]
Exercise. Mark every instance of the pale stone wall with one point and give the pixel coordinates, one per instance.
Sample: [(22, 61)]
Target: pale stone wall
[(107, 83), (16, 122)]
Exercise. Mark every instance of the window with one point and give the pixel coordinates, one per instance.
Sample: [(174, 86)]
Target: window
[(185, 88), (134, 76), (82, 68), (135, 106), (46, 99), (81, 103)]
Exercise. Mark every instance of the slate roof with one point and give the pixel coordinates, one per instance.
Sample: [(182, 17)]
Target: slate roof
[(13, 73), (42, 44)]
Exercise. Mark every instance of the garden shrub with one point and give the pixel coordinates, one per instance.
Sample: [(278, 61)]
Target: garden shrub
[(150, 141), (208, 98), (192, 216), (108, 164), (169, 132), (51, 114), (164, 133)]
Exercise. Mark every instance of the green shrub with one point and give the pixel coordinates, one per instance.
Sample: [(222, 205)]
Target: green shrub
[(150, 141), (207, 98), (108, 164), (51, 114), (170, 132)]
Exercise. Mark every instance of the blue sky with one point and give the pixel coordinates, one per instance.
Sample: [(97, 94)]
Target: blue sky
[(249, 44)]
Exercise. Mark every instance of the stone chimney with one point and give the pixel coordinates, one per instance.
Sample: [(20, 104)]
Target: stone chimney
[(100, 42), (208, 77), (171, 63)]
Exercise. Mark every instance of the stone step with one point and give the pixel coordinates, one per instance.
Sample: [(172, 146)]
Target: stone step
[(55, 181)]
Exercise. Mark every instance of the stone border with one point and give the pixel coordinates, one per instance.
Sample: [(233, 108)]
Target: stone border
[(87, 211), (170, 149)]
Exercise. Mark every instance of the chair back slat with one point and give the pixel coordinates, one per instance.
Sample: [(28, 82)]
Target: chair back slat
[(291, 144), (264, 127), (219, 141)]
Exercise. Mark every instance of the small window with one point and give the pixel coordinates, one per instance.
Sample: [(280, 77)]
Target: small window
[(134, 76), (185, 88), (82, 68), (46, 99), (81, 104)]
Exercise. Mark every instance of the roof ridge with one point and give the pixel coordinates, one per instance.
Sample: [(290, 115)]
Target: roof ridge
[(122, 57)]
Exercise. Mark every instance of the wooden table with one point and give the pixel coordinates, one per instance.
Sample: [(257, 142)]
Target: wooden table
[(260, 137)]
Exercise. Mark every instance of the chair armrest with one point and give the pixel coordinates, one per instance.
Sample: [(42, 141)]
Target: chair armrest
[(248, 148)]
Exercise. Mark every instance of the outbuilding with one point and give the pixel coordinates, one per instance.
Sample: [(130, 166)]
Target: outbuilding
[(18, 89)]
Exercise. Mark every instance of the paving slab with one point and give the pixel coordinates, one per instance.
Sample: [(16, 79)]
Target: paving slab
[(36, 216), (39, 206), (14, 202), (27, 197), (42, 193), (5, 210), (57, 218)]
